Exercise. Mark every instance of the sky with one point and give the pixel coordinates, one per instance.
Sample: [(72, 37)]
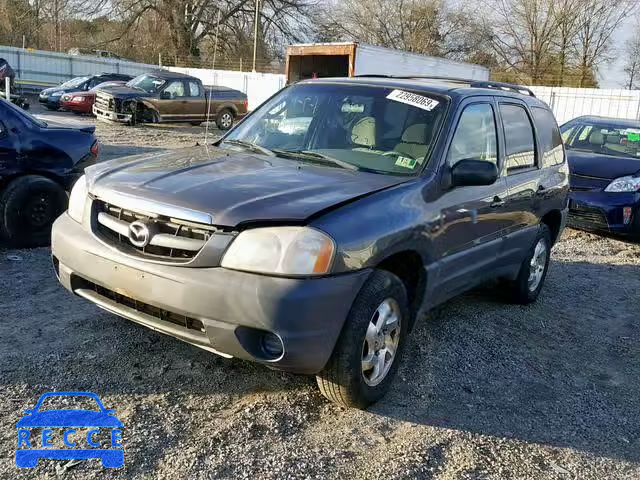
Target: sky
[(612, 75)]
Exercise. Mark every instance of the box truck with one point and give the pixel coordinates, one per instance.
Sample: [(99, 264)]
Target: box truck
[(350, 59)]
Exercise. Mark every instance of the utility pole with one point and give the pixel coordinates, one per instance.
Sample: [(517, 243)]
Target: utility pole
[(255, 34)]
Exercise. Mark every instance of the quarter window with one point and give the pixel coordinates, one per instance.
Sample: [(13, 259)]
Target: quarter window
[(519, 138), (475, 137), (194, 89), (549, 136)]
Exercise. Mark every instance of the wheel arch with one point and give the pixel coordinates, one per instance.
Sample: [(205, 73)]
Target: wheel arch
[(409, 266), (553, 220)]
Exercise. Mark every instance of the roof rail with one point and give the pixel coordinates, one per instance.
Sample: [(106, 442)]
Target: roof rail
[(503, 86), (472, 83)]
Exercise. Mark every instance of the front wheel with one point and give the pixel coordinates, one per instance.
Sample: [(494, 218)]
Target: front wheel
[(526, 287), (366, 356), (28, 207)]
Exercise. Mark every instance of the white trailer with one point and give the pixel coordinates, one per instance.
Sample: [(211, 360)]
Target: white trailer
[(350, 59)]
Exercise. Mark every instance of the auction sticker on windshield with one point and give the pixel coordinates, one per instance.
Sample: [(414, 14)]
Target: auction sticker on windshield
[(413, 99)]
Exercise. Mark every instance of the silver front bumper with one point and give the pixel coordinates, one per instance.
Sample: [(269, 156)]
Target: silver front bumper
[(110, 116)]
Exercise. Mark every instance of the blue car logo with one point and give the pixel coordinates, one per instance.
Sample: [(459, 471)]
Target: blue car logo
[(31, 449)]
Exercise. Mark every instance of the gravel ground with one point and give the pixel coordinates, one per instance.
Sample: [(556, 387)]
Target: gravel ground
[(485, 391)]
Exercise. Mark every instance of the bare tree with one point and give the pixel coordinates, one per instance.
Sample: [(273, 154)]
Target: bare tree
[(568, 24), (524, 35), (598, 20), (632, 65)]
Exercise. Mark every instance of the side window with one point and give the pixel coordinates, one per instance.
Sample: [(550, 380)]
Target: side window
[(549, 135), (194, 89), (176, 89), (476, 136), (519, 138)]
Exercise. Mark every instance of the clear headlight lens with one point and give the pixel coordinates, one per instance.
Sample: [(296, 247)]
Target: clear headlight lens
[(624, 184), (282, 251), (77, 199)]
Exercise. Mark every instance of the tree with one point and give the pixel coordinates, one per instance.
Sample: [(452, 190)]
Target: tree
[(632, 65), (598, 20)]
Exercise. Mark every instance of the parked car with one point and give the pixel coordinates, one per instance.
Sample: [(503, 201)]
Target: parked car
[(82, 102), (604, 159), (50, 97), (165, 96), (311, 236), (39, 162), (6, 72), (19, 100)]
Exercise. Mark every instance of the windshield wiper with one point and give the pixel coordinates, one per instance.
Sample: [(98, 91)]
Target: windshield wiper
[(315, 156), (254, 147)]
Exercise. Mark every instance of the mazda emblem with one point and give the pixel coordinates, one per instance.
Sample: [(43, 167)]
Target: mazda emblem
[(139, 234)]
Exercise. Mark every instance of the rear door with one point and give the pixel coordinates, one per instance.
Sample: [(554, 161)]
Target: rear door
[(522, 165), (472, 217)]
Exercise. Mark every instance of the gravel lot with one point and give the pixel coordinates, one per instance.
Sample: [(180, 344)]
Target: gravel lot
[(485, 391)]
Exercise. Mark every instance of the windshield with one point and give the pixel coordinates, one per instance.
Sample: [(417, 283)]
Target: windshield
[(24, 116), (377, 129), (148, 83), (74, 82), (604, 139)]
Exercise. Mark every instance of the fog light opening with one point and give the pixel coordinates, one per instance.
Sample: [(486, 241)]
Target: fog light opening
[(271, 345), (626, 215)]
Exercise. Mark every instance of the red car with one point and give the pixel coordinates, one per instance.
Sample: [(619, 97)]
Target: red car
[(82, 102)]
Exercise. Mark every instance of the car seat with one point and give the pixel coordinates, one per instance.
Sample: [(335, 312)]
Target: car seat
[(415, 140), (363, 133)]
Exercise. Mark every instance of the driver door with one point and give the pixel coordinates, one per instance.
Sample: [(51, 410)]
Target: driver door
[(171, 101), (472, 218)]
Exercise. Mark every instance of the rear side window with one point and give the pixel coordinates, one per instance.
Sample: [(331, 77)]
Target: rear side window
[(549, 137), (519, 138), (475, 137), (194, 89)]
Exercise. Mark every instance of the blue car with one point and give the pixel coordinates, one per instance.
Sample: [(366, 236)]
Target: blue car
[(51, 97), (68, 418), (604, 161)]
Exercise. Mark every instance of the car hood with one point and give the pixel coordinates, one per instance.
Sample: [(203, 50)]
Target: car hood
[(69, 418), (125, 92), (50, 91), (601, 166), (227, 188)]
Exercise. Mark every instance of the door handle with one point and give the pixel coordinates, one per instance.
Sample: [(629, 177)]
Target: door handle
[(497, 202)]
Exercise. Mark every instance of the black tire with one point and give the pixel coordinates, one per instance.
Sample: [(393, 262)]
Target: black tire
[(224, 120), (28, 207), (51, 108), (77, 113), (343, 381), (196, 124), (519, 289)]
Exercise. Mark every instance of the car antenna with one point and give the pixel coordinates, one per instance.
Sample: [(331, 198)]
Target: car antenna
[(206, 127)]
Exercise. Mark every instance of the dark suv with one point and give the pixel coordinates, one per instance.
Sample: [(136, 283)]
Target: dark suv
[(309, 237)]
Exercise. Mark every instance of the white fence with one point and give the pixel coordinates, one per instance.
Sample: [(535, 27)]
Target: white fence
[(39, 68), (568, 103)]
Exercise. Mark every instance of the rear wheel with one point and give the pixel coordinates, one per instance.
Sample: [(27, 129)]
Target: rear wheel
[(366, 356), (28, 207), (225, 119), (52, 108), (526, 287)]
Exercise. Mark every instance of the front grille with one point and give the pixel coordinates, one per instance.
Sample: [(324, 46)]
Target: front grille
[(171, 239), (138, 306), (105, 101), (585, 183), (587, 217)]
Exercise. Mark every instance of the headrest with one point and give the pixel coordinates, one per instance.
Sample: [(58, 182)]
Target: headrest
[(416, 134), (596, 138), (364, 132)]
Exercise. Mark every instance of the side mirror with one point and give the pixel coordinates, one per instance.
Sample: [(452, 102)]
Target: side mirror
[(473, 172), (165, 95)]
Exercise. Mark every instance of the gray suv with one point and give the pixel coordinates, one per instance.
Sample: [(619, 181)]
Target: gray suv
[(310, 236)]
